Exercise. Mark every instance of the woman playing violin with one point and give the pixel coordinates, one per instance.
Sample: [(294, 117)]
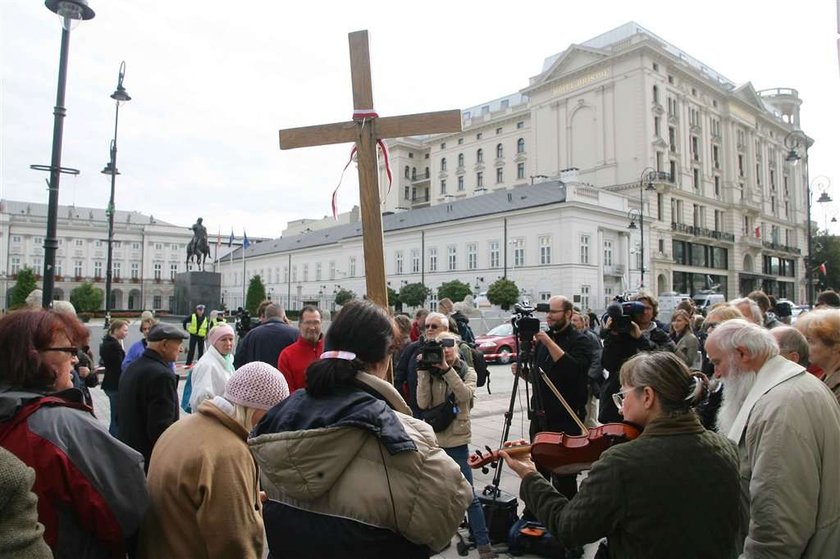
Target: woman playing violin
[(672, 492)]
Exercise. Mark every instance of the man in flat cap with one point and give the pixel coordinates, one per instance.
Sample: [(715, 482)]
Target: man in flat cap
[(148, 395)]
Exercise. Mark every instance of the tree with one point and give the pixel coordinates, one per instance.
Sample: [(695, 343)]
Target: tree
[(86, 298), (344, 296), (826, 250), (255, 295), (393, 297), (503, 292), (414, 294), (455, 290), (25, 284)]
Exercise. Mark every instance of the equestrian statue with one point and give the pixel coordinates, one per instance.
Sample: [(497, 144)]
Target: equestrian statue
[(198, 246)]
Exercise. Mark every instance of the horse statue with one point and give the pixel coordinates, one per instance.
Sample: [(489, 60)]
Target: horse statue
[(198, 246)]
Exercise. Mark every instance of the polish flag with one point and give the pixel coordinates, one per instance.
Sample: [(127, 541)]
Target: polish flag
[(758, 232), (822, 268)]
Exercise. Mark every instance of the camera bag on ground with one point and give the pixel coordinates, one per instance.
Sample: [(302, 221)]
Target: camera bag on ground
[(531, 537), (500, 512)]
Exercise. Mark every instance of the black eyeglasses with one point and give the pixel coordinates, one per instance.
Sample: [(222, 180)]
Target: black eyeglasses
[(73, 351)]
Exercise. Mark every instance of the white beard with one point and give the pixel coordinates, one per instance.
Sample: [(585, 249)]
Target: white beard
[(737, 386)]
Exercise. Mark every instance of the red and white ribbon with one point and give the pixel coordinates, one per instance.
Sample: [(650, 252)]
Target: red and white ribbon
[(362, 115)]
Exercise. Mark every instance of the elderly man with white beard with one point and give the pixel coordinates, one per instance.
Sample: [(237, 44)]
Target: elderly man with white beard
[(786, 424)]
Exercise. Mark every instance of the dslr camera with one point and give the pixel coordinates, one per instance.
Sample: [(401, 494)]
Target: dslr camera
[(431, 354), (621, 312)]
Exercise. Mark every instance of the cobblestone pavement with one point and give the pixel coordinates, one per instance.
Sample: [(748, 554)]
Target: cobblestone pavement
[(487, 424)]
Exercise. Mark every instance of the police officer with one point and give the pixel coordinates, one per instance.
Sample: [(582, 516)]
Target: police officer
[(197, 326)]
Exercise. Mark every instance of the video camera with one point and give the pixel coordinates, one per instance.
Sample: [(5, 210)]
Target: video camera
[(525, 325), (243, 321), (621, 312), (431, 354)]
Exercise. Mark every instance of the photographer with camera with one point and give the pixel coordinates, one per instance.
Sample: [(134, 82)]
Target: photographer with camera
[(445, 388), (630, 327)]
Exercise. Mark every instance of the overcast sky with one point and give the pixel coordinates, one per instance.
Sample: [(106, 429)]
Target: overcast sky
[(212, 82)]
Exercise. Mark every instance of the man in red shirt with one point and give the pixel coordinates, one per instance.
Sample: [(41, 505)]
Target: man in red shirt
[(296, 358)]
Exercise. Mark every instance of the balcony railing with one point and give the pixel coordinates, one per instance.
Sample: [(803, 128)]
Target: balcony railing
[(703, 232), (781, 247)]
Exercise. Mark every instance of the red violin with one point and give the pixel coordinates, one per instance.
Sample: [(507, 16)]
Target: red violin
[(565, 454)]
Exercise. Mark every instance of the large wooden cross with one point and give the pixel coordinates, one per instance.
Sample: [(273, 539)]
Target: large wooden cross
[(365, 131)]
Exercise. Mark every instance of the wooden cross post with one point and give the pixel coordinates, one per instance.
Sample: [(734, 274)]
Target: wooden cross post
[(365, 129)]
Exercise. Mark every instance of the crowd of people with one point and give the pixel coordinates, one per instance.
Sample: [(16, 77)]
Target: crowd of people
[(298, 443)]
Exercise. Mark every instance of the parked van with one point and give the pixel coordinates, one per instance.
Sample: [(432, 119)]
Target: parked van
[(705, 301), (668, 301)]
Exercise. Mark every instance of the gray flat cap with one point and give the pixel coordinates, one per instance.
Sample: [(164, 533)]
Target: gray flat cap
[(163, 331)]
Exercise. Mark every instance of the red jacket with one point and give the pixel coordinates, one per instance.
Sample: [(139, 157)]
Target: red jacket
[(296, 358), (91, 487)]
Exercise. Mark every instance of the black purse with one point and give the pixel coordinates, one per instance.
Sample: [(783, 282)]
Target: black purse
[(442, 415)]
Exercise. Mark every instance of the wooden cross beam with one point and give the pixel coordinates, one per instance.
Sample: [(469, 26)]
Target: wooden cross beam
[(365, 131)]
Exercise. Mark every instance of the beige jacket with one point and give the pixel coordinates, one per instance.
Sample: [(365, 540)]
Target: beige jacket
[(344, 472), (432, 391), (788, 436)]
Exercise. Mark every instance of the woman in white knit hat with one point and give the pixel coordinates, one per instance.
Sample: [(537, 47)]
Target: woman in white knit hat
[(212, 371), (203, 481)]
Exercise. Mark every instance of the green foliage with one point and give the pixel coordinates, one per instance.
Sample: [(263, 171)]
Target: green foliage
[(503, 292), (25, 284), (255, 294), (393, 297), (87, 298), (456, 290), (826, 249), (344, 296), (414, 294)]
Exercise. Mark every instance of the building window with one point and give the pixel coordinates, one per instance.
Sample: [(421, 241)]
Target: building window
[(520, 170), (695, 148), (498, 131), (415, 261), (584, 249), (479, 180), (584, 297), (672, 138), (443, 187), (520, 145), (443, 164), (655, 94), (352, 266), (14, 264), (657, 126), (398, 262), (433, 259), (520, 125), (406, 192), (173, 269), (716, 156), (407, 172), (332, 271), (518, 252), (306, 272), (80, 242), (77, 268), (479, 136), (608, 253), (479, 156), (695, 173), (740, 165), (461, 140), (97, 269), (460, 160), (16, 239), (157, 270), (135, 246), (717, 186), (156, 302), (472, 256), (500, 175), (117, 270), (545, 250), (443, 145), (494, 254), (294, 274), (452, 257), (460, 184), (500, 151), (158, 246)]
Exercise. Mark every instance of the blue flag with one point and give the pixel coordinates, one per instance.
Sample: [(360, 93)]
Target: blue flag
[(230, 240), (245, 242)]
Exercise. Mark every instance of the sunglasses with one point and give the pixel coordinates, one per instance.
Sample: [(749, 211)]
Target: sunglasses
[(72, 351)]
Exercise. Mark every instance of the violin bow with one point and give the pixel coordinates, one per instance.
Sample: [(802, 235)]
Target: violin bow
[(584, 431)]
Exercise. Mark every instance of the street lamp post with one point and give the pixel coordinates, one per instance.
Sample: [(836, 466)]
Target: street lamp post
[(794, 141), (645, 183), (70, 12), (120, 96)]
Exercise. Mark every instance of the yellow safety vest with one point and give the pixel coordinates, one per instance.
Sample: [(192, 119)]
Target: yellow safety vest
[(193, 327)]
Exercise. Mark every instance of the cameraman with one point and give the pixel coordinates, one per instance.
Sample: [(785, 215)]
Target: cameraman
[(453, 376), (643, 334)]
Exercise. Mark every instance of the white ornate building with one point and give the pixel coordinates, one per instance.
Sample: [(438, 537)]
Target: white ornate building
[(147, 252), (727, 207)]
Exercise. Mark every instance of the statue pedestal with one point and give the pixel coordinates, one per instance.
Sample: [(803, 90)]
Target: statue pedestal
[(197, 288)]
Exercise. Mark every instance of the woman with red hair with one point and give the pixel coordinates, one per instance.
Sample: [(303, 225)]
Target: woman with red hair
[(91, 488)]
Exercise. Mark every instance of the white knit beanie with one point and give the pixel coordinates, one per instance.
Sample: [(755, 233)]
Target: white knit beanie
[(257, 385)]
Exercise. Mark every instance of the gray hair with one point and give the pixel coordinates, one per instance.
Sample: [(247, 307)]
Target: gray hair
[(740, 333), (755, 310), (790, 339), (440, 317), (274, 310)]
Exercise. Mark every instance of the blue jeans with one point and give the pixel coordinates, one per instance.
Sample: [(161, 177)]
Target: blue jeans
[(112, 399), (475, 515)]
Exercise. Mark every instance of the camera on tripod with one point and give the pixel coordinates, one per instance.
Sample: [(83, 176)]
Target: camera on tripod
[(525, 325), (243, 321), (621, 312), (431, 354)]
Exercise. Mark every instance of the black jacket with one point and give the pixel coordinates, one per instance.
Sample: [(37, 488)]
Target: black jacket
[(148, 402), (405, 373), (569, 374), (111, 355), (265, 342)]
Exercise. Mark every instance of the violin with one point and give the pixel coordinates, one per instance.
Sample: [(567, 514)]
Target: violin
[(564, 454)]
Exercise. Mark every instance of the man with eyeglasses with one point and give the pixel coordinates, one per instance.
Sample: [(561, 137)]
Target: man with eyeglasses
[(296, 358), (148, 395)]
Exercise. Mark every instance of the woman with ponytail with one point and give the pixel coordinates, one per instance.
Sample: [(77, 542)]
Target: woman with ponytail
[(672, 492), (346, 469)]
